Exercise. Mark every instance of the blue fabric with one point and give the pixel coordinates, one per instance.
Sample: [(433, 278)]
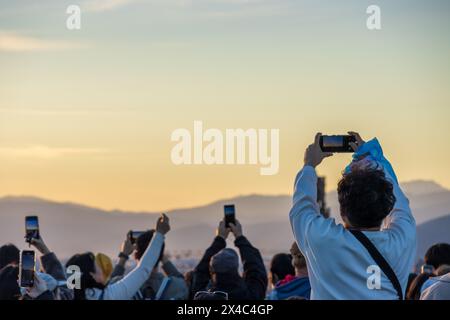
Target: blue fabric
[(371, 153), (299, 287)]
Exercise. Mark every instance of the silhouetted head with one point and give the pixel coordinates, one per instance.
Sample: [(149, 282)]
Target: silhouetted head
[(226, 261), (437, 255), (142, 243), (9, 287), (91, 274), (280, 267), (9, 254), (366, 197)]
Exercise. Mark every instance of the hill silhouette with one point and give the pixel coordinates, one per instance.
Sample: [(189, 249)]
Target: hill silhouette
[(69, 227)]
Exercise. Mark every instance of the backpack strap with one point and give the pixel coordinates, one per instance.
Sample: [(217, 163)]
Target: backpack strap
[(162, 288), (380, 260)]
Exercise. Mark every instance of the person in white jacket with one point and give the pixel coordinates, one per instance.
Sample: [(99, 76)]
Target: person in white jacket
[(92, 280), (371, 201)]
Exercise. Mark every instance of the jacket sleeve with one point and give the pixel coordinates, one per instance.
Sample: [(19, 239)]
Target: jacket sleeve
[(255, 275), (52, 266), (308, 225), (118, 271), (201, 276), (130, 284), (170, 270)]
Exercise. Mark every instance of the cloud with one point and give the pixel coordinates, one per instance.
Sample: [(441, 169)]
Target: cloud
[(14, 42), (105, 5), (45, 152)]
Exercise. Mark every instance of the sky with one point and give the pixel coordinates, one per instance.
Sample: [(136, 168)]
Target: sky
[(86, 115)]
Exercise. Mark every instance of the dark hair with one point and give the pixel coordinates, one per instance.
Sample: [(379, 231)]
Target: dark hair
[(366, 197), (438, 255), (209, 296), (9, 287), (281, 266), (416, 286), (142, 243), (86, 263), (9, 253)]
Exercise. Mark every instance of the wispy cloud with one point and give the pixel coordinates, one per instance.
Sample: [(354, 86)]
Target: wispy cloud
[(46, 152), (105, 5), (14, 42)]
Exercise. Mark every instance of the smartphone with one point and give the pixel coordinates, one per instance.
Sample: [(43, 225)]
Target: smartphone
[(31, 228), (230, 214), (336, 143), (426, 268), (133, 235), (26, 270)]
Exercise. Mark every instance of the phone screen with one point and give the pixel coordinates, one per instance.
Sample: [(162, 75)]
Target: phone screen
[(31, 227), (27, 265), (336, 143), (229, 212), (333, 141)]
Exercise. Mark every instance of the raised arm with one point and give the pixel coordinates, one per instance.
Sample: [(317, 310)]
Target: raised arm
[(126, 249), (126, 288), (306, 220), (49, 262), (255, 275), (201, 276)]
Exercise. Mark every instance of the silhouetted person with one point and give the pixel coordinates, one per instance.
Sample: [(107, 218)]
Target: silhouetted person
[(218, 268)]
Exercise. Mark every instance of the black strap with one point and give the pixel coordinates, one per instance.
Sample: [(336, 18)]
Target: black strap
[(380, 260)]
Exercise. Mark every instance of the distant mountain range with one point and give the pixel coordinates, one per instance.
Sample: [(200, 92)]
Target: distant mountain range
[(69, 228)]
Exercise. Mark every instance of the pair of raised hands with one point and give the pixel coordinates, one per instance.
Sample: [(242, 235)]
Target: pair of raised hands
[(223, 231), (162, 226), (314, 154)]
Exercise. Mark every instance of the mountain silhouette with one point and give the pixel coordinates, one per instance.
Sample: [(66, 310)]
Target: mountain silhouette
[(68, 227)]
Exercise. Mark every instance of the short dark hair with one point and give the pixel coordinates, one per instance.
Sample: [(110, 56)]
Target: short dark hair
[(366, 197), (281, 265), (9, 253), (142, 243), (438, 254)]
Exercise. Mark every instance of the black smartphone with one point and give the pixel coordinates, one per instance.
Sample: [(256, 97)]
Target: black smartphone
[(133, 235), (230, 214), (336, 143), (31, 228), (26, 270)]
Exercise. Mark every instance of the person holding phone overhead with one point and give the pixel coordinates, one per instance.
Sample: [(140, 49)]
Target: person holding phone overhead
[(93, 280), (217, 271), (379, 231)]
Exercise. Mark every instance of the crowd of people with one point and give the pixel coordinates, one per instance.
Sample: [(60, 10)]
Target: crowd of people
[(369, 256)]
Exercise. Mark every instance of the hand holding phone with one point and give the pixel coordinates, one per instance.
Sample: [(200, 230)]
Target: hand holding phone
[(134, 235), (26, 270)]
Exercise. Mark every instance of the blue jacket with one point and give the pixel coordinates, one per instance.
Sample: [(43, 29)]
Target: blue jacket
[(298, 287)]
